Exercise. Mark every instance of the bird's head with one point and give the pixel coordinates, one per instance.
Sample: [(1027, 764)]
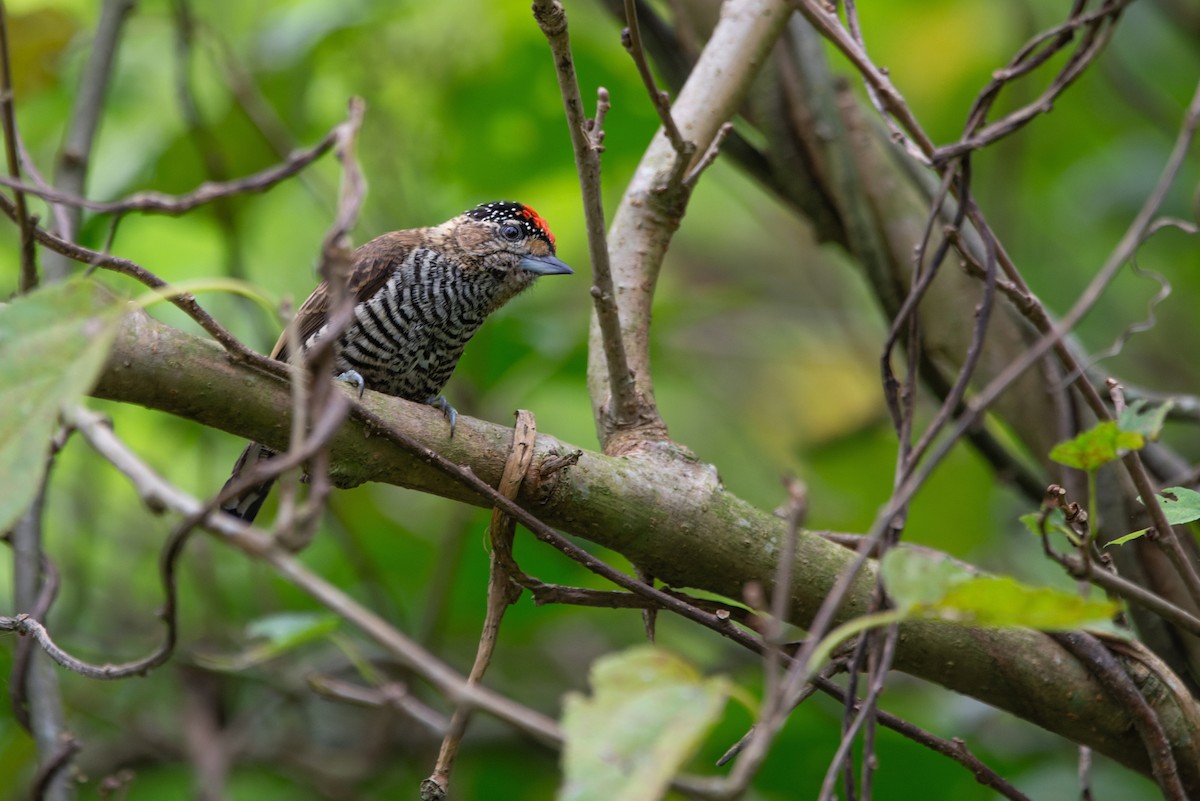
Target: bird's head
[(510, 242)]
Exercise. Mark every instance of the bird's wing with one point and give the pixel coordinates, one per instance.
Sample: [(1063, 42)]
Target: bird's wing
[(374, 263)]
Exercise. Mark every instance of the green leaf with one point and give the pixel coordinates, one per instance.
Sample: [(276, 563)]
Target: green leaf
[(1102, 443), (290, 629), (280, 633), (914, 578), (53, 344), (648, 713), (1141, 418), (1004, 601), (1133, 535), (1055, 521), (933, 586), (1180, 505)]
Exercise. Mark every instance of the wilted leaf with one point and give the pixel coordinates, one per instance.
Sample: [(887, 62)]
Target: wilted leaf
[(1096, 447), (53, 343), (648, 712)]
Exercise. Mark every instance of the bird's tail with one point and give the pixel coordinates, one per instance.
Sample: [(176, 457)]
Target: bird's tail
[(246, 505)]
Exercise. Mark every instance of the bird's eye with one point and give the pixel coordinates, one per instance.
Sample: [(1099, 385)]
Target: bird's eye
[(510, 232)]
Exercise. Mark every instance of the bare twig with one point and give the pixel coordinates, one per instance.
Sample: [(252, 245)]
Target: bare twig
[(656, 199), (161, 203), (710, 155), (50, 773), (26, 625), (157, 492), (1098, 27), (318, 362), (955, 749), (393, 695), (884, 95), (1108, 671), (184, 301), (586, 136), (8, 121), (631, 38), (502, 592), (37, 700), (71, 169)]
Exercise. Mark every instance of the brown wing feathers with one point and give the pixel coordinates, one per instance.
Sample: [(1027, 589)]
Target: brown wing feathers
[(374, 264)]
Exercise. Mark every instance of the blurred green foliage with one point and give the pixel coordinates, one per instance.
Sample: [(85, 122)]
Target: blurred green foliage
[(766, 350)]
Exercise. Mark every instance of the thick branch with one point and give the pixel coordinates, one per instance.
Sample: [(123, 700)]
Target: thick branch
[(675, 520), (656, 198)]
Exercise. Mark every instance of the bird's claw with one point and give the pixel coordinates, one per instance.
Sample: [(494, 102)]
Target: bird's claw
[(354, 379), (440, 402)]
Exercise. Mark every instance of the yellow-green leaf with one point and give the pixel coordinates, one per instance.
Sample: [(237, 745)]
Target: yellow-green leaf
[(1102, 443), (1004, 601), (53, 344), (915, 579), (648, 712), (934, 586)]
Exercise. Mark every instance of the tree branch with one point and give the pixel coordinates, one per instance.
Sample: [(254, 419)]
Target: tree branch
[(652, 513), (656, 198)]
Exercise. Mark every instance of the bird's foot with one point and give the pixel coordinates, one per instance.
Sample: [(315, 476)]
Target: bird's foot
[(440, 402), (355, 380)]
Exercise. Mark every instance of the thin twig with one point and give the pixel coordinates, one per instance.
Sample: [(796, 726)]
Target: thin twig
[(585, 138), (8, 121), (987, 395), (883, 93), (161, 203), (393, 695), (74, 157), (955, 749), (1108, 671), (1099, 25), (502, 592), (34, 687), (183, 300), (631, 38), (50, 772), (158, 493), (318, 363)]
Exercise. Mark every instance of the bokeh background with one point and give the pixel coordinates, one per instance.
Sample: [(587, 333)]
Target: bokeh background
[(766, 354)]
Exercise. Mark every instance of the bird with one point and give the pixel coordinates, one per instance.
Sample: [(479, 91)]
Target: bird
[(420, 295)]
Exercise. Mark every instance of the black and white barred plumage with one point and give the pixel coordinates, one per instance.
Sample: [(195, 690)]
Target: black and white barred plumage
[(421, 295)]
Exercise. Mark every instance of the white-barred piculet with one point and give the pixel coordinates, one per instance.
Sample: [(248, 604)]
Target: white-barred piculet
[(421, 294)]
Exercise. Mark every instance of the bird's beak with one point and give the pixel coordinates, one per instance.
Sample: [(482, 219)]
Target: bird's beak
[(544, 265)]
